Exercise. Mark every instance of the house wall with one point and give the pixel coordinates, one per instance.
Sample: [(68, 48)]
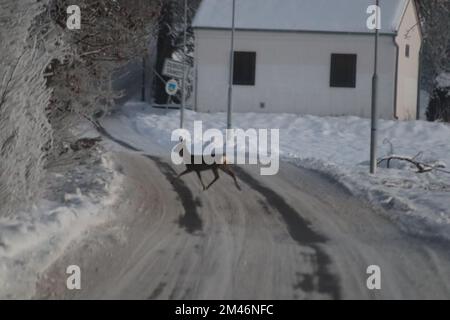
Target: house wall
[(408, 68), (293, 73)]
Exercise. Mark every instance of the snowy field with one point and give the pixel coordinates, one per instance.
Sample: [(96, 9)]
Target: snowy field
[(339, 148)]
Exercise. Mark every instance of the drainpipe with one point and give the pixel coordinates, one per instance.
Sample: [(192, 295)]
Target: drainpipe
[(419, 76), (397, 58)]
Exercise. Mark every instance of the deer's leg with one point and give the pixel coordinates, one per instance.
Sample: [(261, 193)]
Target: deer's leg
[(228, 171), (199, 175), (216, 177)]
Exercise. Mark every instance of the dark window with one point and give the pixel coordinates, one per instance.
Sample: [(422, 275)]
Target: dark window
[(407, 49), (244, 68), (343, 71)]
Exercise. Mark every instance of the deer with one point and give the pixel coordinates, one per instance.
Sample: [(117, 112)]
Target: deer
[(203, 166)]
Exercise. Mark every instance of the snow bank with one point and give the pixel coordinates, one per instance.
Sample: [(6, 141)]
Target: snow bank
[(338, 147), (31, 241)]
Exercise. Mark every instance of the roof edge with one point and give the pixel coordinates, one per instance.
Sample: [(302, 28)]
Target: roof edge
[(400, 15), (393, 33)]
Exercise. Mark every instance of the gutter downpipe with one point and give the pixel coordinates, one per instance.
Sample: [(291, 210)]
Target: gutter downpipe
[(419, 76), (397, 58)]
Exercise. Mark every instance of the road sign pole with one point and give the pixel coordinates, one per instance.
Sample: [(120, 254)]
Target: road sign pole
[(230, 84), (374, 122), (183, 94)]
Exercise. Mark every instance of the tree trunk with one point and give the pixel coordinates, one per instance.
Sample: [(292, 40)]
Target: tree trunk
[(165, 49)]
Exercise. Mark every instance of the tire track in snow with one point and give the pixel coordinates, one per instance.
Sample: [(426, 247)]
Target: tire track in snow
[(300, 231), (191, 220)]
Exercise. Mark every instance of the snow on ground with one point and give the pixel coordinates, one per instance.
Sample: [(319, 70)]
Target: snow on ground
[(338, 147), (31, 241)]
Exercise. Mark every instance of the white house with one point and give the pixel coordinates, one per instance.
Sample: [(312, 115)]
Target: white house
[(307, 57)]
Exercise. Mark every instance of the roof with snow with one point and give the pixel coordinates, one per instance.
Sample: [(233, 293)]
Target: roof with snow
[(347, 16)]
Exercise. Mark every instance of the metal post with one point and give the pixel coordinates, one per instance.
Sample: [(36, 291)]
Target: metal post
[(374, 124), (144, 66), (183, 94), (230, 84)]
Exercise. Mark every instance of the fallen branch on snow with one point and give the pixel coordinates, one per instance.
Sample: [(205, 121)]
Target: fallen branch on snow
[(421, 166)]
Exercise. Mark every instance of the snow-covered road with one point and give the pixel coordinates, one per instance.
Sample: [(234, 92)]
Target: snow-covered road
[(337, 147), (290, 236)]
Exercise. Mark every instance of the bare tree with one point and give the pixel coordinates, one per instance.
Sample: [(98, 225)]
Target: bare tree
[(50, 77), (112, 34), (170, 39)]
